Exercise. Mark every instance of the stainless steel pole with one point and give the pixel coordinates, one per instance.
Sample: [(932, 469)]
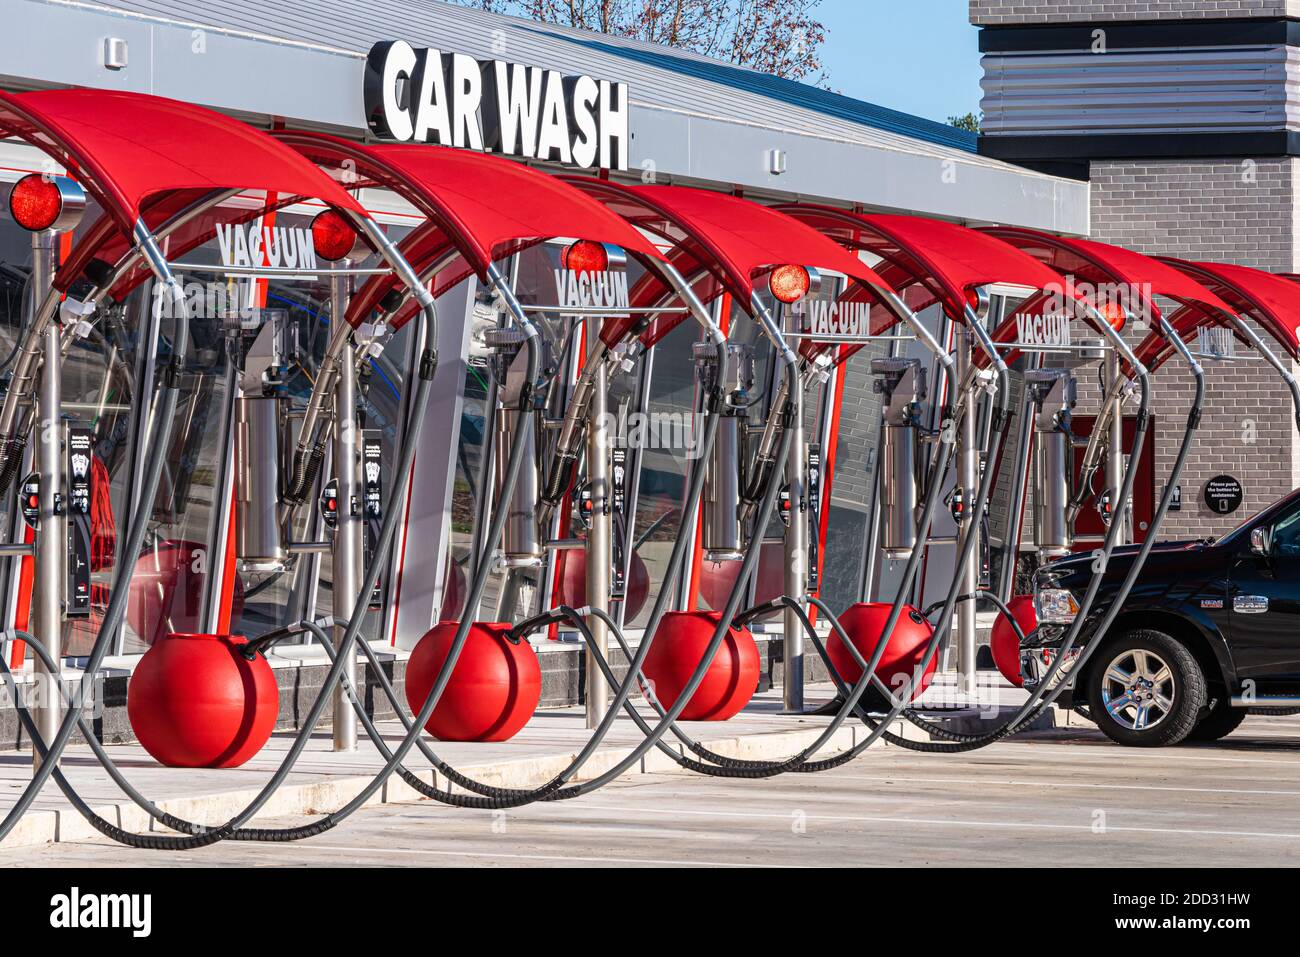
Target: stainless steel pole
[(968, 479), (51, 537), (347, 535), (600, 535), (796, 555), (1115, 453)]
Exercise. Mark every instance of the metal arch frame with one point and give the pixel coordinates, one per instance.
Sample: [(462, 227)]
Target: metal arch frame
[(1259, 311), (146, 245), (788, 399), (442, 224), (1113, 399)]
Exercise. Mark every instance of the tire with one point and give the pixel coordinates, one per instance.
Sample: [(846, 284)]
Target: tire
[(1146, 690), (1222, 720)]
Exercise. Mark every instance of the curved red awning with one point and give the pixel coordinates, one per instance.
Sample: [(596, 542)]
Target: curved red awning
[(954, 257), (125, 147), (483, 206), (1092, 262), (731, 240), (927, 260), (1271, 301), (745, 239)]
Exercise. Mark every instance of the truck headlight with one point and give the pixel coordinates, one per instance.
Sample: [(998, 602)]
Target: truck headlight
[(1055, 606)]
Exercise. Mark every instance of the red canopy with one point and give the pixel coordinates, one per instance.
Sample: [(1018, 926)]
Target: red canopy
[(1094, 262), (482, 206), (125, 147), (1272, 301), (743, 238), (927, 260), (730, 240), (952, 257)]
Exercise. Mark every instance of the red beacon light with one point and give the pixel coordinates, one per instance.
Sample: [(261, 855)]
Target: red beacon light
[(332, 236), (40, 201), (1115, 314), (977, 298), (789, 284), (588, 256)]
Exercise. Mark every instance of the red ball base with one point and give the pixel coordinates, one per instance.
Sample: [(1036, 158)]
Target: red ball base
[(864, 623), (678, 649), (493, 690), (1003, 642), (195, 701)]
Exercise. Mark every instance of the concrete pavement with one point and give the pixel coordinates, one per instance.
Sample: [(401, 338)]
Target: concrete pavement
[(1065, 797)]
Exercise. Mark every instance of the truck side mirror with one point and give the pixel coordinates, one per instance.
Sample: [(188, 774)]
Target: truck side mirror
[(1259, 541)]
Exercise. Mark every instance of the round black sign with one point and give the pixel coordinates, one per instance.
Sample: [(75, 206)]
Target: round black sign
[(1223, 494)]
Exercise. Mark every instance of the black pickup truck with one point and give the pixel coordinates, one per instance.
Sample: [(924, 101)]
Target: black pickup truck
[(1210, 631)]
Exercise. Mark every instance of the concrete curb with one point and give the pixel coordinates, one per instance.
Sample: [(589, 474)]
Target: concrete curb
[(320, 797)]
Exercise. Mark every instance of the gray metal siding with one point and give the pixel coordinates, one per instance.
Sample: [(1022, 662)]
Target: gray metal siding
[(1148, 91), (658, 76), (299, 61)]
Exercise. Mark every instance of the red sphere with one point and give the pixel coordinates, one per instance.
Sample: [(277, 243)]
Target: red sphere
[(718, 578), (678, 649), (493, 690), (864, 623), (572, 577), (1004, 644), (195, 701)]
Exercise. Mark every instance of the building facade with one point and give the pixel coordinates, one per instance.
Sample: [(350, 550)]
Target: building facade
[(1091, 128), (1182, 116)]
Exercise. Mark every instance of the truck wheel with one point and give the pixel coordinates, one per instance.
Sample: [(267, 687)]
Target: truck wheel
[(1222, 720), (1146, 690)]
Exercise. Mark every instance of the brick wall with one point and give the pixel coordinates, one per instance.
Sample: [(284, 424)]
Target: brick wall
[(1226, 211), (1007, 12)]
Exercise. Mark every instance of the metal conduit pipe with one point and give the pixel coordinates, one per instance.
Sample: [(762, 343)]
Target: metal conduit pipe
[(135, 537), (386, 537), (1033, 707)]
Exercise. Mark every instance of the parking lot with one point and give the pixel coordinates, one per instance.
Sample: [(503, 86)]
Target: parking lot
[(1067, 797)]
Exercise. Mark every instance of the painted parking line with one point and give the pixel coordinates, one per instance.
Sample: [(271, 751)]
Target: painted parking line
[(1036, 752), (337, 848), (952, 822), (1025, 782)]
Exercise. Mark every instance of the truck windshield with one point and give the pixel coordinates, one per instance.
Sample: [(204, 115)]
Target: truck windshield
[(1288, 507)]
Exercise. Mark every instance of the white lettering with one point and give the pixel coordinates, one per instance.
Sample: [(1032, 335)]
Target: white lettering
[(582, 106), (613, 125), (553, 137), (76, 910), (431, 115), (467, 94), (519, 104), (455, 100), (1043, 329)]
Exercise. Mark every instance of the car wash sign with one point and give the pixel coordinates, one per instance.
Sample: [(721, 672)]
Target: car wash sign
[(428, 96)]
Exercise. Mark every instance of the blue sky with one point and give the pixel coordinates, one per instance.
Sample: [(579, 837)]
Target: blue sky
[(918, 56)]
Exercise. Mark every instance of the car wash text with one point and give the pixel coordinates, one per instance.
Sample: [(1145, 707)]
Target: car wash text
[(427, 96)]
